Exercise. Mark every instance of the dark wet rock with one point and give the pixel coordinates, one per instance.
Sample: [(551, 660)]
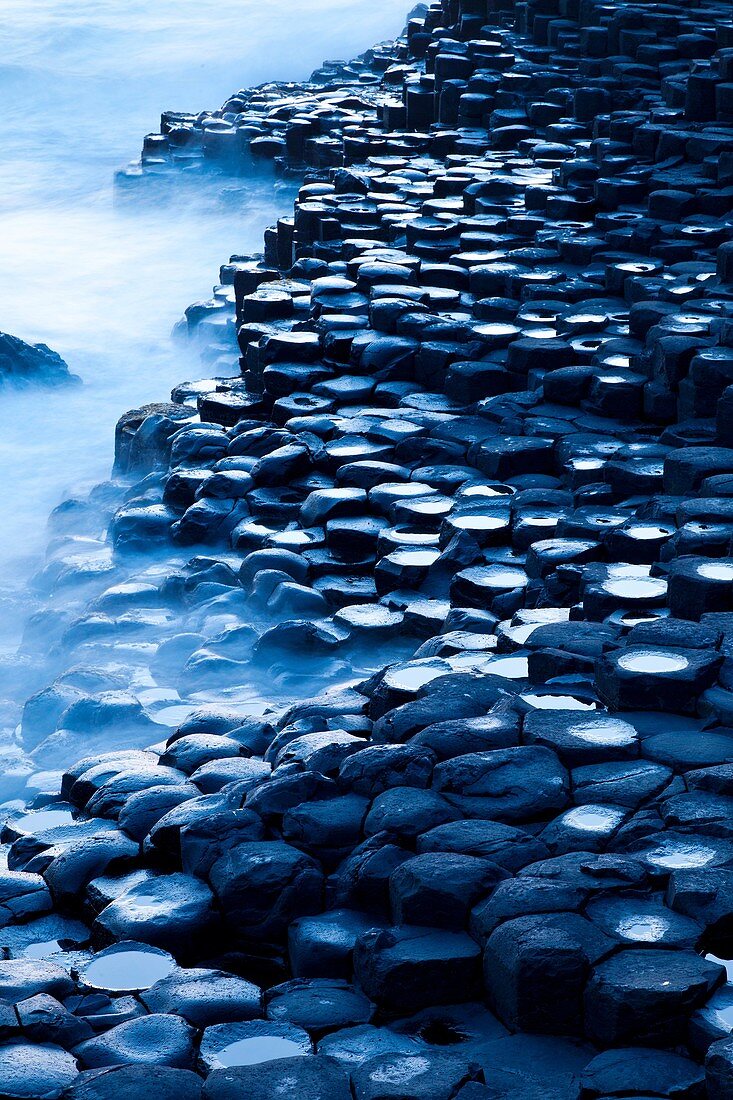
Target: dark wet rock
[(405, 969), (322, 945), (504, 845), (640, 1070), (432, 1076), (647, 995), (23, 895), (536, 968), (506, 785), (377, 768), (622, 784), (458, 737), (197, 831), (519, 896), (719, 1069), (150, 1040), (354, 1045), (327, 827), (318, 1078), (250, 1043), (212, 776), (35, 1070), (142, 810), (23, 978), (530, 1066), (171, 912), (190, 752), (406, 812), (136, 1083), (680, 751), (583, 741), (318, 1005), (45, 1020), (204, 997), (439, 888), (71, 868), (591, 827), (704, 894), (637, 920), (23, 364), (648, 679), (263, 887)]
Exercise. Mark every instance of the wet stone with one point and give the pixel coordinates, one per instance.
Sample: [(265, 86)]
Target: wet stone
[(126, 967), (149, 1040), (505, 785), (647, 995), (320, 1078), (204, 997), (404, 969), (251, 1043), (135, 1082), (640, 1069), (319, 1006), (584, 740), (322, 946), (426, 697), (430, 1075), (35, 1069)]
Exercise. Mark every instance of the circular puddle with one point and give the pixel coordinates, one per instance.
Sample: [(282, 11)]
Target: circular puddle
[(652, 662), (126, 968)]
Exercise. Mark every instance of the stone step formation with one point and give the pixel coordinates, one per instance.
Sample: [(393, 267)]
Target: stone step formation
[(422, 715)]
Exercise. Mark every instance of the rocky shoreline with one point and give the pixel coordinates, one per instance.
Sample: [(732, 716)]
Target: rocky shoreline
[(23, 364), (411, 626)]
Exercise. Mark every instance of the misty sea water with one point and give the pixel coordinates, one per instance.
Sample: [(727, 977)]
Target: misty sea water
[(80, 84)]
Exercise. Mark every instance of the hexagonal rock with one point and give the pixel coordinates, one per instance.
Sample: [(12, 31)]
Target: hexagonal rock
[(655, 679), (634, 1070), (136, 1083), (686, 468), (170, 912), (425, 1076), (699, 585), (317, 1078), (157, 1039), (319, 1005), (719, 1070), (582, 740), (515, 784), (439, 888), (406, 969), (535, 970), (263, 886), (21, 978), (36, 1071), (505, 845), (322, 946), (204, 997), (706, 895), (646, 996)]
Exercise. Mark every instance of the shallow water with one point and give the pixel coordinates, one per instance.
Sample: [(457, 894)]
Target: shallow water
[(130, 968), (261, 1048), (81, 84)]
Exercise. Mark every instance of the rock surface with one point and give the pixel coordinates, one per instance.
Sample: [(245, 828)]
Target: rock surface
[(405, 768), (23, 364)]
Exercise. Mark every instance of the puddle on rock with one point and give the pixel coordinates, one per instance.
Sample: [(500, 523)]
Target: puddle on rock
[(260, 1048), (652, 662), (125, 968)]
